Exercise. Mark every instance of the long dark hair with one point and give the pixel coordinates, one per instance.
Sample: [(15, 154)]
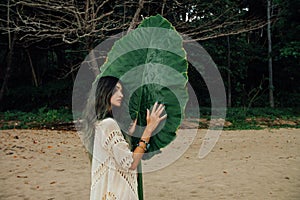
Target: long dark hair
[(104, 91), (98, 107)]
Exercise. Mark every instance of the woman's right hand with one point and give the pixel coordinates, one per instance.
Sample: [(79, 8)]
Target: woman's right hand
[(154, 117)]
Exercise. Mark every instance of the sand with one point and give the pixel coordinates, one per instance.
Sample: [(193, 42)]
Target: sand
[(247, 164)]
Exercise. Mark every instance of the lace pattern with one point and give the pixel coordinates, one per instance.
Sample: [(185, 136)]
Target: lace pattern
[(130, 179), (114, 137), (99, 172), (109, 196), (112, 158), (119, 148)]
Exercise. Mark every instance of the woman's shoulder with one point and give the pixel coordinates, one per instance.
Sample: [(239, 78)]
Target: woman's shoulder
[(108, 123)]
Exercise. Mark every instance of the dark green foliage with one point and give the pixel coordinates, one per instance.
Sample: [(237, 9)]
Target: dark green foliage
[(40, 118), (27, 98), (254, 118), (53, 60), (158, 73), (239, 113)]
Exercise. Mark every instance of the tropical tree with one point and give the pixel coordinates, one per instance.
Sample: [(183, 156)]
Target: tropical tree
[(70, 29), (270, 66)]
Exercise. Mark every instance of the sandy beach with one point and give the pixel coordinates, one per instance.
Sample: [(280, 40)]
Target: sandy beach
[(246, 164)]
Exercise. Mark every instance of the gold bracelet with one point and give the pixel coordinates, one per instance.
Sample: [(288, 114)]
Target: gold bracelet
[(146, 144), (141, 147)]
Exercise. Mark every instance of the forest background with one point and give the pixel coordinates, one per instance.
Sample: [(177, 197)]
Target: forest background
[(255, 45)]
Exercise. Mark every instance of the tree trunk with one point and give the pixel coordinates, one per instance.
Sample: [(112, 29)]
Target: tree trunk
[(32, 69), (8, 66), (228, 73), (271, 87), (163, 7), (11, 44)]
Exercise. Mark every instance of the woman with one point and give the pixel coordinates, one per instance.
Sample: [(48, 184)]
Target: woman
[(114, 174)]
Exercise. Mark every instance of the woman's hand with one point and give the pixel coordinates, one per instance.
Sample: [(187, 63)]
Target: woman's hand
[(154, 117), (132, 127)]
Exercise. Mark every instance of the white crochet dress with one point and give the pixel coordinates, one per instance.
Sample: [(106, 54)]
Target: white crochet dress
[(112, 158)]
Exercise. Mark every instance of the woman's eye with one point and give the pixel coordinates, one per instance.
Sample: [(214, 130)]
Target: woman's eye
[(116, 90)]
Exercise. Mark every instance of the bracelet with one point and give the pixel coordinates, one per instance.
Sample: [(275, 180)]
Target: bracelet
[(146, 143), (138, 145)]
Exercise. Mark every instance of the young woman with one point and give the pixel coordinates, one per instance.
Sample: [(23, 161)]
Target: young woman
[(114, 174)]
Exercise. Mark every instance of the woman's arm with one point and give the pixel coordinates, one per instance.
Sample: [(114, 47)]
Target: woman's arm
[(153, 120)]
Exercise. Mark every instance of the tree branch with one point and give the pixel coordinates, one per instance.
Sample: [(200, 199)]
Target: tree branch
[(136, 16)]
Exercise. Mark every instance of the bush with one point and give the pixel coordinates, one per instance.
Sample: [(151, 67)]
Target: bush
[(40, 118)]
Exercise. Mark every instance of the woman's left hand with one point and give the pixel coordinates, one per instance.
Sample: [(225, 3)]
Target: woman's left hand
[(132, 127)]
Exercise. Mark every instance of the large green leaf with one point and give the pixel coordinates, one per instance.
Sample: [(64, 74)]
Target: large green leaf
[(151, 63)]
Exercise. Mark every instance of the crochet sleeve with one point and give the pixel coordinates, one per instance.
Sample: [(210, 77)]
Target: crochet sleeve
[(114, 142)]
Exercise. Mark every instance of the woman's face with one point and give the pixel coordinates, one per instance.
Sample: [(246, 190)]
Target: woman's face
[(117, 97)]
